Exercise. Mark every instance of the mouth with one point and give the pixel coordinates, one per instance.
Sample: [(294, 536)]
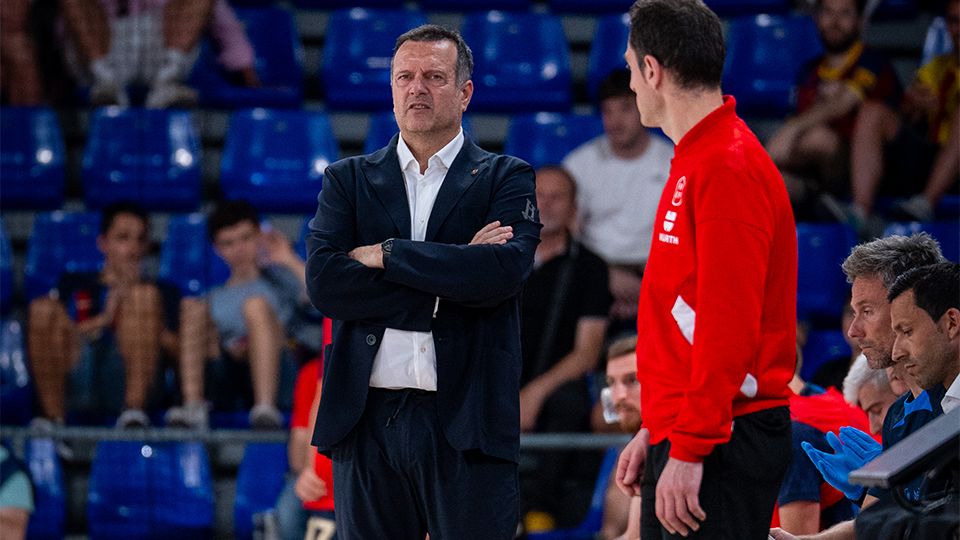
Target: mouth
[(418, 107)]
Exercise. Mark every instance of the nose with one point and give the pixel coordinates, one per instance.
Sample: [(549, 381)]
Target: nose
[(617, 392), (899, 351), (876, 424), (855, 330), (417, 86)]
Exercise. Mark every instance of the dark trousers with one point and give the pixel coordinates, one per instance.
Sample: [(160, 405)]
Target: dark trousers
[(396, 477), (741, 480)]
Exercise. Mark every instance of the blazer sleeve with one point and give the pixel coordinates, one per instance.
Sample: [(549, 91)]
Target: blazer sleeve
[(344, 289), (482, 275)]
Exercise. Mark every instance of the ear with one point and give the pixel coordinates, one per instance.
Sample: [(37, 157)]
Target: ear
[(466, 93), (652, 67), (950, 322)]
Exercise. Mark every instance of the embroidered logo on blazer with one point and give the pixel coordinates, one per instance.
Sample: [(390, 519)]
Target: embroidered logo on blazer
[(530, 212)]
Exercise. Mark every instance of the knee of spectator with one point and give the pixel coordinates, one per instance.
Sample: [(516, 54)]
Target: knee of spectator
[(44, 311), (143, 296), (257, 308)]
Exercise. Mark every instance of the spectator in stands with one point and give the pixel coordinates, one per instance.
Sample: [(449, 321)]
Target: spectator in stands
[(921, 139), (104, 331), (112, 43), (816, 142), (620, 176), (833, 372), (871, 390), (563, 323), (21, 83), (245, 320), (16, 496), (621, 514)]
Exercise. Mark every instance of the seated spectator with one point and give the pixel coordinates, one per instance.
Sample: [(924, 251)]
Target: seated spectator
[(812, 148), (112, 43), (245, 320), (871, 390), (564, 320), (96, 342), (919, 140), (620, 176), (621, 514), (21, 83), (16, 497)]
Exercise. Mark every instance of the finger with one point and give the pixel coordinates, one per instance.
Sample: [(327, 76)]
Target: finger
[(693, 505), (684, 521), (488, 227), (662, 506), (834, 442), (812, 452)]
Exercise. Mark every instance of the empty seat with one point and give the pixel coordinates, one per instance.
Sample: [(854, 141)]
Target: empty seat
[(383, 126), (607, 48), (945, 232), (151, 157), (468, 5), (546, 138), (50, 497), (6, 271), (260, 480), (734, 8), (275, 159), (15, 395), (823, 346), (32, 158), (821, 284), (278, 51), (764, 54), (521, 62), (60, 242), (186, 257), (357, 49), (148, 491)]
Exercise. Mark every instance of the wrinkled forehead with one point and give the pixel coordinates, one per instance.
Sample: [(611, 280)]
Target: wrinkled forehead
[(440, 54)]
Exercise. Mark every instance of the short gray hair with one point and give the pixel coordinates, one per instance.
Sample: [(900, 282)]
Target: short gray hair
[(889, 257), (433, 32), (859, 375)]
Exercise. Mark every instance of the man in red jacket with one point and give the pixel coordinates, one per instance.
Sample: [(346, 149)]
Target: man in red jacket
[(717, 315)]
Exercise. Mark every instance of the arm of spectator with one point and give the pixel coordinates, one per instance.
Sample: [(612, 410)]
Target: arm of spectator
[(633, 523), (800, 517), (236, 51), (625, 287), (309, 486), (583, 358), (277, 250), (841, 100), (918, 101)]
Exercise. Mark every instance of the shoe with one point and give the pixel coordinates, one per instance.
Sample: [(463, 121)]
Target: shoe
[(105, 93), (265, 416), (171, 95), (133, 419), (193, 415), (867, 227), (916, 208), (47, 429)]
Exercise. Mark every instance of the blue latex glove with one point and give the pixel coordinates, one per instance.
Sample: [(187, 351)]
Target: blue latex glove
[(836, 467), (861, 443)]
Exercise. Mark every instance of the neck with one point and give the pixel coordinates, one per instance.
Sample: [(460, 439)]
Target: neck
[(552, 243), (244, 274), (424, 146), (796, 384), (684, 109), (633, 150)]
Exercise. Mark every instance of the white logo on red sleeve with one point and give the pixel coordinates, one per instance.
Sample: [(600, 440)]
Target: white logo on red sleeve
[(678, 191), (669, 221)]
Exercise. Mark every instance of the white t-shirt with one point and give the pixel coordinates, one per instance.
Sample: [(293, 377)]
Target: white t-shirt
[(618, 198)]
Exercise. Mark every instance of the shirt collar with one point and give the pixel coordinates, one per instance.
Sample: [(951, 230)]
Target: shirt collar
[(446, 155), (724, 113)]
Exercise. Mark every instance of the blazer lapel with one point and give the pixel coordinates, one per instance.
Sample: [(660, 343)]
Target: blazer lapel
[(383, 172), (466, 168)]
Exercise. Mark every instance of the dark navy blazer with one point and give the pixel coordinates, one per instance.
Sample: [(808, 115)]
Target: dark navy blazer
[(476, 330)]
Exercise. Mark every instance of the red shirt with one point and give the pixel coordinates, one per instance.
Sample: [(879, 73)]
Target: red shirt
[(303, 394), (717, 315)]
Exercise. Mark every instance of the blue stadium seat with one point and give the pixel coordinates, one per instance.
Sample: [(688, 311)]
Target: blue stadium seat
[(186, 257), (764, 54), (60, 242), (6, 271), (338, 4), (278, 51), (546, 138), (50, 497), (275, 159), (15, 395), (821, 284), (383, 126), (823, 346), (358, 47), (607, 48), (472, 5), (32, 158), (260, 480), (150, 491), (521, 62), (151, 157), (946, 232), (590, 526), (592, 7), (735, 8)]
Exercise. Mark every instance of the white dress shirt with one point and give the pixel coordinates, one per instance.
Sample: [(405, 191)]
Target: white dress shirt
[(951, 399), (409, 359)]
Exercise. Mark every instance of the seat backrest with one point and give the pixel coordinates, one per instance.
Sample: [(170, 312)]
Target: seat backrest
[(275, 159), (338, 4), (32, 158), (151, 157), (357, 49), (823, 346), (15, 395), (50, 498), (945, 232), (734, 8), (764, 54), (383, 126), (546, 138), (60, 242), (521, 62), (260, 480), (821, 283), (606, 49), (468, 5), (150, 491), (187, 258)]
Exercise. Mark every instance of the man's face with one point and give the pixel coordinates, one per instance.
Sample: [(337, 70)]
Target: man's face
[(625, 391), (426, 97), (871, 321), (621, 121), (237, 244), (555, 201), (640, 86), (921, 344), (124, 244), (838, 25), (898, 376), (875, 403)]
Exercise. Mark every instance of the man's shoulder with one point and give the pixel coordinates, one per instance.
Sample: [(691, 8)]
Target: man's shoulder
[(588, 151)]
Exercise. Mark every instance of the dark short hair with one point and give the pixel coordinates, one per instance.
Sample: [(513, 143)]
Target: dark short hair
[(110, 213), (565, 174), (860, 4), (889, 257), (615, 84), (229, 213), (936, 288), (685, 38), (433, 32)]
